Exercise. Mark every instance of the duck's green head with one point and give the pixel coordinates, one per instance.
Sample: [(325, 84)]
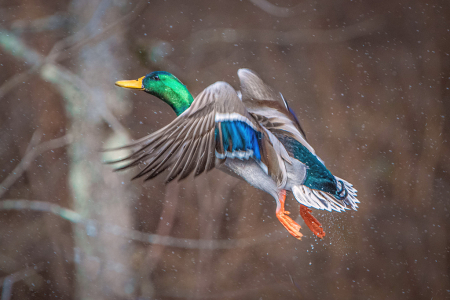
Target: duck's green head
[(165, 86)]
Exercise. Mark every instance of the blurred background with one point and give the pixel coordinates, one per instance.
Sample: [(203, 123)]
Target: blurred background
[(369, 81)]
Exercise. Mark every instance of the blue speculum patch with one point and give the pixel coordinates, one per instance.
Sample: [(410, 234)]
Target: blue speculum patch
[(317, 175), (239, 136)]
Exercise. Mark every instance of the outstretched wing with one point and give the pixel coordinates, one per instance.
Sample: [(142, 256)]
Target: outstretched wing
[(216, 125), (270, 108)]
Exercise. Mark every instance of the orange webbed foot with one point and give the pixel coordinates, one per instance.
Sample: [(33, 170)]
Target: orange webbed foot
[(292, 227), (311, 222)]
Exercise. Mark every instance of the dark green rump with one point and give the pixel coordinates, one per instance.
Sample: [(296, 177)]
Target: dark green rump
[(317, 175)]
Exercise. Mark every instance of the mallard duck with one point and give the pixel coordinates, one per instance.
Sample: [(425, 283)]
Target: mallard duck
[(251, 134)]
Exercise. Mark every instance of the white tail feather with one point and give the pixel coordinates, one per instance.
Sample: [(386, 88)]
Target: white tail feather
[(322, 200)]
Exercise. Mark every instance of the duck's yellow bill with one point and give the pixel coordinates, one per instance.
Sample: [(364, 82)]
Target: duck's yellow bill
[(131, 84)]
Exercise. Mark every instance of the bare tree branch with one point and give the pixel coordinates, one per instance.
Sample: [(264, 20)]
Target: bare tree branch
[(282, 12), (73, 43), (74, 217), (46, 65), (305, 36), (8, 281), (59, 50), (16, 80), (31, 154)]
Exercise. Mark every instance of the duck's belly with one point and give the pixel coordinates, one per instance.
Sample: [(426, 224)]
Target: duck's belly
[(251, 172)]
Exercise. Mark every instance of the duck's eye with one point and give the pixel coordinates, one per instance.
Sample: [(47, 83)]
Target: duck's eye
[(156, 77)]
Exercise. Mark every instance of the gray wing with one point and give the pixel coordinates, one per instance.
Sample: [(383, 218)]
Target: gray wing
[(269, 107), (186, 144), (191, 142)]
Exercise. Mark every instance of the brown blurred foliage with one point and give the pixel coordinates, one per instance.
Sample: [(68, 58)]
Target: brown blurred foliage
[(369, 81)]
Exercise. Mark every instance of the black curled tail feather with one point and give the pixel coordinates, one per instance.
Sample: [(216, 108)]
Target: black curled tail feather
[(347, 193)]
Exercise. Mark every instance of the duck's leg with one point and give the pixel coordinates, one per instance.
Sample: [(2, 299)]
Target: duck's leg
[(311, 222), (287, 222)]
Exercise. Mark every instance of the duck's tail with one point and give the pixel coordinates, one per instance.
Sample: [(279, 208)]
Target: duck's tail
[(344, 198)]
